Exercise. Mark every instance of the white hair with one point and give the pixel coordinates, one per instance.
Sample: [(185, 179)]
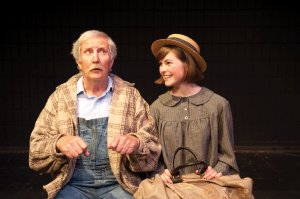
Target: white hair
[(90, 34)]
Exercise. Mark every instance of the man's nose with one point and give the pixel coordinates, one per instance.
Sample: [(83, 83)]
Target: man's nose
[(96, 58)]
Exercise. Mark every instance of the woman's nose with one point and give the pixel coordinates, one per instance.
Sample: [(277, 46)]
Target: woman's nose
[(162, 68)]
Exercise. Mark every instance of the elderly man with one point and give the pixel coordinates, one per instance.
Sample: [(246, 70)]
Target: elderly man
[(95, 135)]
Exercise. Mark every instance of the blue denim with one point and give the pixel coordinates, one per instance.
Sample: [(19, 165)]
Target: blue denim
[(93, 177)]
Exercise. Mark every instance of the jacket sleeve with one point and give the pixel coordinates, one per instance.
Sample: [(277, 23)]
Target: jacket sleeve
[(227, 162), (146, 156), (42, 153)]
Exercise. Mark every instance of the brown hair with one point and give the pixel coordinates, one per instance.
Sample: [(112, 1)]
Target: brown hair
[(192, 72)]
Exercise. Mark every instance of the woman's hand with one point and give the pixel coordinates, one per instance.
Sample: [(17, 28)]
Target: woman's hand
[(166, 176), (210, 173)]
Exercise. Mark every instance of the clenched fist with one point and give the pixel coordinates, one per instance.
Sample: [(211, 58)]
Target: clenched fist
[(124, 144), (72, 146)]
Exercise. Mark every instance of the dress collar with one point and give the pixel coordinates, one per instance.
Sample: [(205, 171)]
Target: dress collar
[(199, 98)]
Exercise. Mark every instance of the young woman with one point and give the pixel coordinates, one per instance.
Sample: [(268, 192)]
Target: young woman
[(190, 115)]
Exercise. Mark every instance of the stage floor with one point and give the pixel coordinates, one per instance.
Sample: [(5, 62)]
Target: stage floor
[(275, 175)]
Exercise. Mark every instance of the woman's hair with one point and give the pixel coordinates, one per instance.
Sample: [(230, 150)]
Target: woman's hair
[(192, 72)]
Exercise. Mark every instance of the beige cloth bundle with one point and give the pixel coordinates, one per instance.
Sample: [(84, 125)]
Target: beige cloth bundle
[(225, 187)]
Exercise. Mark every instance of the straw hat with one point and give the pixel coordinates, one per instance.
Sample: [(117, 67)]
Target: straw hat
[(183, 42)]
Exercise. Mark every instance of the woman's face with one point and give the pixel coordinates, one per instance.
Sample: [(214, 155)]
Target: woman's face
[(171, 69)]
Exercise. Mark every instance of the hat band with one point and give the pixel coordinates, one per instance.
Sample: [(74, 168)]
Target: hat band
[(185, 43)]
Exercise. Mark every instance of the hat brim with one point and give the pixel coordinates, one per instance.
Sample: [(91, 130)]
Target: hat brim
[(162, 42)]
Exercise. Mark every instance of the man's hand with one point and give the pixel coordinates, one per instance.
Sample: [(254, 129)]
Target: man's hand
[(72, 146), (210, 173), (124, 144)]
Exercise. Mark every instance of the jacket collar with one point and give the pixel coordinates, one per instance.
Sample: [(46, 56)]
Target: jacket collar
[(199, 98), (119, 84), (70, 91), (71, 84), (80, 88)]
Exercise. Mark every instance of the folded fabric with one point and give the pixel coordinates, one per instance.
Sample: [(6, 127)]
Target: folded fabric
[(225, 187)]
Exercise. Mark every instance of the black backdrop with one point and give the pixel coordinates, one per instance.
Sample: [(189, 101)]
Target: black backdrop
[(251, 48)]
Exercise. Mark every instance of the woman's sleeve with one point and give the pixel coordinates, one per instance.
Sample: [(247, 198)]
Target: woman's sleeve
[(226, 161)]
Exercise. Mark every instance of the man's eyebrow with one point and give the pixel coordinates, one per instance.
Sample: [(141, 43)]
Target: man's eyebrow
[(85, 49)]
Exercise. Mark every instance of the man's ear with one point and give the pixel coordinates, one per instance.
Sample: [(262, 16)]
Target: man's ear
[(111, 63), (79, 64)]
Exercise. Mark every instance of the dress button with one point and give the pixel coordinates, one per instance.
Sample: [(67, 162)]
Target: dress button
[(186, 117), (185, 109)]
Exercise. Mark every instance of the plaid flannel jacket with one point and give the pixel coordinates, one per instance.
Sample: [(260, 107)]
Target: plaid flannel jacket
[(129, 114)]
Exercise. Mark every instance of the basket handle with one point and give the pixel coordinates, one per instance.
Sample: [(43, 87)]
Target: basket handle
[(176, 175)]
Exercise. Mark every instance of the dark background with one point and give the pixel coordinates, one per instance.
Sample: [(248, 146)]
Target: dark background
[(250, 46)]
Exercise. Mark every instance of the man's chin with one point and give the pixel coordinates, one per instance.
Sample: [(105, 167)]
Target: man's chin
[(96, 73), (98, 76)]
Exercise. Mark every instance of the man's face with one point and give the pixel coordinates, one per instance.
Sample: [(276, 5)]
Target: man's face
[(95, 56)]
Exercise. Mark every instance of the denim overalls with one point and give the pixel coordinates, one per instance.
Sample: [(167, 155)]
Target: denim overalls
[(93, 177)]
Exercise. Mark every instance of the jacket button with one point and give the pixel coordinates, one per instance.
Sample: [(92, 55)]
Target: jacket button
[(186, 117)]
